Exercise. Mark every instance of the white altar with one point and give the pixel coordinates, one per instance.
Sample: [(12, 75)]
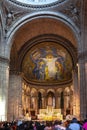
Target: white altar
[(50, 114)]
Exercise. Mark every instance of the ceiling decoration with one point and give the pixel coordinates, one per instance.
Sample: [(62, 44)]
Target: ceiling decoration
[(47, 63), (37, 3)]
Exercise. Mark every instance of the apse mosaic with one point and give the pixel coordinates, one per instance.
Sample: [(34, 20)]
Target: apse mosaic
[(47, 62)]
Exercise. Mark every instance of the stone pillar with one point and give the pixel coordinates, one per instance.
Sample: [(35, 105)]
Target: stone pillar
[(83, 61), (71, 102), (65, 103), (29, 103), (15, 97), (43, 102), (56, 100), (76, 95), (83, 90), (4, 82), (36, 104)]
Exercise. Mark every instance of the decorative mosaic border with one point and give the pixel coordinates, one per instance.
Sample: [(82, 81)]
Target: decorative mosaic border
[(37, 6)]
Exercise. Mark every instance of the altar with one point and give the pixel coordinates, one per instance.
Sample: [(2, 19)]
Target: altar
[(50, 114)]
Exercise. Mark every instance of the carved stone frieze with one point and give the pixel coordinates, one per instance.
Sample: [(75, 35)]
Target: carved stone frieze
[(10, 14), (72, 10)]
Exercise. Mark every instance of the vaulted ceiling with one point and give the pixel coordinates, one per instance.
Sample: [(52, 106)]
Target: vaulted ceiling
[(41, 26)]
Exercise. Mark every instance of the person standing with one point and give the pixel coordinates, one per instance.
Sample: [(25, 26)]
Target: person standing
[(74, 125), (84, 126)]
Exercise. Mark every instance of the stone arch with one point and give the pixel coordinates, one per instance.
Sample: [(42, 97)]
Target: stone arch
[(52, 38), (67, 90), (50, 90), (42, 91), (51, 98), (33, 92), (59, 90), (31, 17)]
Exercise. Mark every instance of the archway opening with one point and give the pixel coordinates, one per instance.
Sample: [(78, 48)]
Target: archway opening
[(44, 60)]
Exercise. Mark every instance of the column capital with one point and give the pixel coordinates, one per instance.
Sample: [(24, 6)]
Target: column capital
[(15, 72), (82, 56), (75, 70), (4, 60)]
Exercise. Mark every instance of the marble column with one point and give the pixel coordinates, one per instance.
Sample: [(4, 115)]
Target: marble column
[(65, 103), (83, 61), (43, 102), (28, 94), (76, 95), (56, 100), (83, 90), (15, 96), (36, 105), (4, 82), (71, 103)]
